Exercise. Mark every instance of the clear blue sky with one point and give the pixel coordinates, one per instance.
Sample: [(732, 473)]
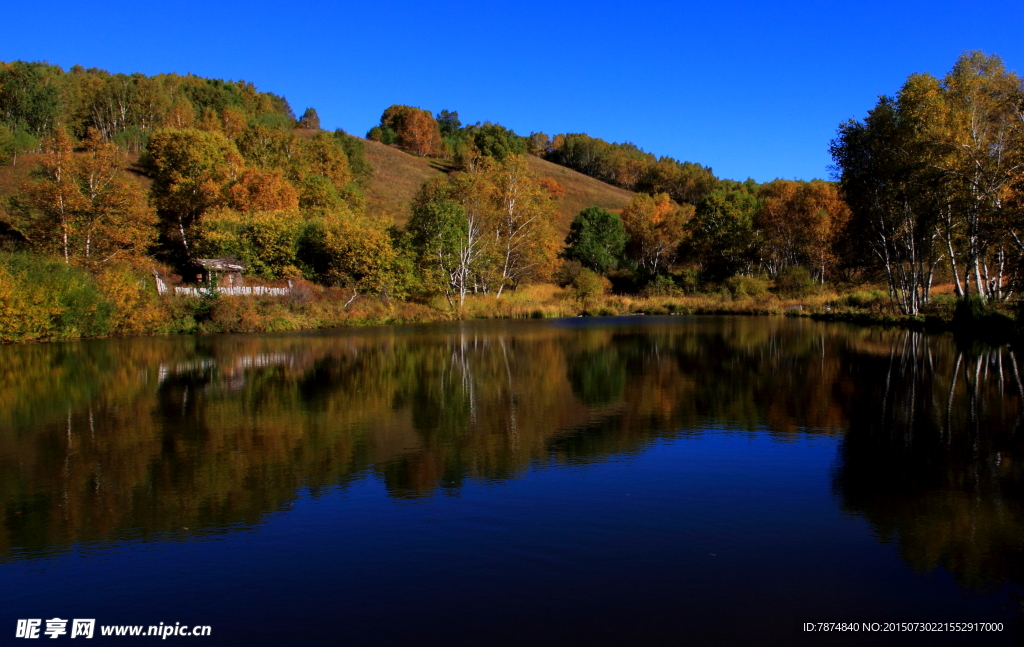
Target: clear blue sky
[(752, 89)]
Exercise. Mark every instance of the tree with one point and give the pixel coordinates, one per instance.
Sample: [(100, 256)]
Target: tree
[(264, 241), (190, 169), (522, 223), (446, 231), (29, 96), (362, 170), (722, 239), (928, 175), (310, 120), (266, 147), (448, 123), (894, 190), (596, 239), (323, 155), (654, 228), (414, 130), (346, 250), (496, 141), (261, 190), (799, 224), (85, 208), (984, 142), (538, 144)]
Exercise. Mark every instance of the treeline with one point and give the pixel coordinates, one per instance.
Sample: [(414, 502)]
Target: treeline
[(623, 165), (36, 98), (934, 177)]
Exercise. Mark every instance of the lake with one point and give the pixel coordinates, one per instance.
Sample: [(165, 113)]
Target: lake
[(645, 480)]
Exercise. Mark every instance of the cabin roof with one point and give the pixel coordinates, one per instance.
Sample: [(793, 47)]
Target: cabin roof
[(221, 264)]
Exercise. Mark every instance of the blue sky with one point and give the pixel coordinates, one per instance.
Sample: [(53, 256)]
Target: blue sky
[(752, 89)]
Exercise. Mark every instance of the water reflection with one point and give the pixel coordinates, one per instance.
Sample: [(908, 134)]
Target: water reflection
[(152, 437), (933, 457)]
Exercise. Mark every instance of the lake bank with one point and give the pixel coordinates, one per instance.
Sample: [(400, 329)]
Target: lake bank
[(42, 301)]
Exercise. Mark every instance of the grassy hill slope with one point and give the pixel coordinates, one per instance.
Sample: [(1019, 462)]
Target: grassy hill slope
[(398, 175)]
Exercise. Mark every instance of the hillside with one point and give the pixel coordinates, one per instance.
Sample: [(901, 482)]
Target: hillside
[(398, 175)]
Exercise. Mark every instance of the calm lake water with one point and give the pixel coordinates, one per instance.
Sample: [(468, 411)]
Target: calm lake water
[(674, 480)]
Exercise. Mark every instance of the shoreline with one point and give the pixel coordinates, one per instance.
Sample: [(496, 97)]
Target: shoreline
[(230, 315)]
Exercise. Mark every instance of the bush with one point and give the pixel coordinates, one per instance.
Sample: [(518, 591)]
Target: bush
[(746, 286), (587, 286), (688, 281), (660, 286), (567, 273), (875, 301), (44, 298)]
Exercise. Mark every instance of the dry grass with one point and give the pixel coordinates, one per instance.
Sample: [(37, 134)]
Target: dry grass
[(581, 191), (545, 300), (396, 178), (398, 175)]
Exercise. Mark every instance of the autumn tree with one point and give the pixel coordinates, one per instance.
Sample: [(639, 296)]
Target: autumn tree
[(84, 207), (411, 129), (261, 190), (324, 156), (266, 147), (351, 251), (798, 223), (522, 223), (190, 169), (984, 145), (654, 228)]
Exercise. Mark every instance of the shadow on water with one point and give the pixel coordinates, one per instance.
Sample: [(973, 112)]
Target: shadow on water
[(933, 457), (158, 438)]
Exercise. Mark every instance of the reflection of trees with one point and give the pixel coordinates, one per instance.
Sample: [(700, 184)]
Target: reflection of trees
[(933, 455), (151, 436)]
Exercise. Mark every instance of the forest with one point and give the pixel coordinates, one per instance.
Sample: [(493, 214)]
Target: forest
[(111, 184)]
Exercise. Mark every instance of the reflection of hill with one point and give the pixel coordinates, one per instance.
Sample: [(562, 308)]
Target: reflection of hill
[(132, 437)]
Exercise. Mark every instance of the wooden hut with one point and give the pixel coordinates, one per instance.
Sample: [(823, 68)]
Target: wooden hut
[(220, 272)]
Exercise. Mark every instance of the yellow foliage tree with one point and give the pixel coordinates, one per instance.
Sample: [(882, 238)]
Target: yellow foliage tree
[(524, 242), (83, 206), (654, 227), (261, 190)]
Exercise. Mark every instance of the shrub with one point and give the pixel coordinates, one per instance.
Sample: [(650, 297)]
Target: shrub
[(660, 286), (746, 286), (688, 281), (587, 286), (44, 298)]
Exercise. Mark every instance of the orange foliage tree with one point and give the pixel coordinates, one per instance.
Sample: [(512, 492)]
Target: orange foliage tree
[(261, 190), (83, 206), (415, 130), (654, 227)]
